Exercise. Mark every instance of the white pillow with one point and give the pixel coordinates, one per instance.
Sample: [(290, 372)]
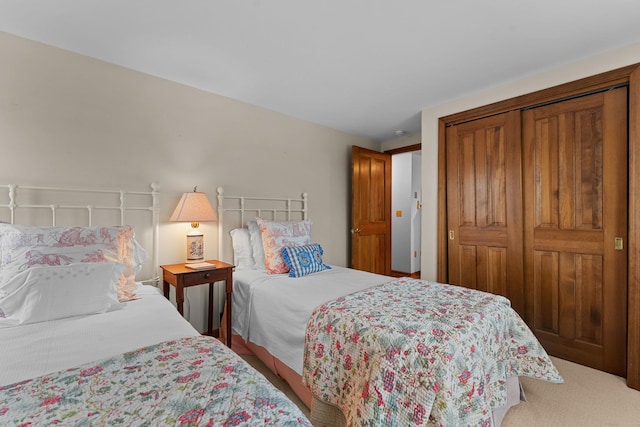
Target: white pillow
[(256, 244), (140, 256), (46, 293), (242, 252)]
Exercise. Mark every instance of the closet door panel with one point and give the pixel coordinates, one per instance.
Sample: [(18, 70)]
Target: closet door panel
[(484, 206), (575, 191)]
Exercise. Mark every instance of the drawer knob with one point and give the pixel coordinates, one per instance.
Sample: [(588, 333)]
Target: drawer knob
[(207, 275)]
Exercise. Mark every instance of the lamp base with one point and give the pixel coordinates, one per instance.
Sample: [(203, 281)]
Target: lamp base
[(195, 247)]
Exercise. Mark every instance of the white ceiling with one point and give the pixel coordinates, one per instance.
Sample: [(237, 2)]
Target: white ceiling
[(366, 67)]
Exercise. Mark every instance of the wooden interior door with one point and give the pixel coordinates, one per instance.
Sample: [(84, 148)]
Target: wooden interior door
[(484, 206), (371, 210), (575, 189)]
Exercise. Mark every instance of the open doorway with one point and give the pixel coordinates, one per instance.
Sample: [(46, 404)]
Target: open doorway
[(373, 213), (406, 210)]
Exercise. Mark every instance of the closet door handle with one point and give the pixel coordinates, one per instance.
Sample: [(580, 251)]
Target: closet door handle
[(618, 243)]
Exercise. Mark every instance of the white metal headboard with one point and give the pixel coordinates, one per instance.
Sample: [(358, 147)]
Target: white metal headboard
[(235, 211), (33, 205)]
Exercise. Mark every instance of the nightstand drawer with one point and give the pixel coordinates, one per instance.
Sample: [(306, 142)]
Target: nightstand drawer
[(200, 277)]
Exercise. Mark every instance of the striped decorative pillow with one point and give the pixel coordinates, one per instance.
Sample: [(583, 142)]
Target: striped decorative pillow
[(303, 260)]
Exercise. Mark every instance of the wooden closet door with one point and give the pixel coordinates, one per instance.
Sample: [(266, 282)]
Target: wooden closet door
[(575, 189), (484, 206)]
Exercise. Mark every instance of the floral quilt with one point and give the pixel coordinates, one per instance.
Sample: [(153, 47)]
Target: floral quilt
[(413, 352), (193, 381)]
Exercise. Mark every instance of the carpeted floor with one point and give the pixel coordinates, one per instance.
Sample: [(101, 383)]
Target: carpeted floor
[(588, 398)]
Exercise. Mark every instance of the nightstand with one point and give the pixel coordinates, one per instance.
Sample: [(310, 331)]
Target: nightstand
[(180, 276)]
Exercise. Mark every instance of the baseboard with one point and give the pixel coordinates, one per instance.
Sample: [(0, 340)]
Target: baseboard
[(414, 275)]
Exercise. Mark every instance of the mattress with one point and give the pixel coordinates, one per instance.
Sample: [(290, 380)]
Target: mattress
[(41, 348), (272, 310)]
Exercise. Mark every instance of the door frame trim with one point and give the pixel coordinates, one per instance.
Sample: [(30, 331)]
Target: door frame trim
[(407, 149), (629, 75)]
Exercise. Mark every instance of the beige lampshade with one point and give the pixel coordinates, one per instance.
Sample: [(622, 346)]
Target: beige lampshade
[(194, 207)]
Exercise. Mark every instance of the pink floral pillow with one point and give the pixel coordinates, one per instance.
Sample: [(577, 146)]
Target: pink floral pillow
[(22, 247), (278, 234)]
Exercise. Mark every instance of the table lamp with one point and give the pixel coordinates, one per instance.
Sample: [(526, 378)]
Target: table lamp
[(194, 208)]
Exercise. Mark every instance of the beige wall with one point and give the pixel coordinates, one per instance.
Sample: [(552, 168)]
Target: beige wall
[(69, 120), (567, 73)]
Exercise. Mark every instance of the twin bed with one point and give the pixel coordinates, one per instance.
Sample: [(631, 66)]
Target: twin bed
[(365, 349), (358, 348), (85, 344)]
